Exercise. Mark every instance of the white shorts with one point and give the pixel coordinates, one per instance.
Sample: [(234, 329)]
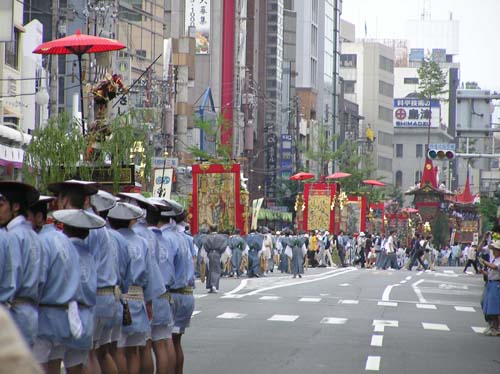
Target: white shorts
[(46, 350), (161, 332), (75, 357), (102, 334), (137, 339), (115, 333)]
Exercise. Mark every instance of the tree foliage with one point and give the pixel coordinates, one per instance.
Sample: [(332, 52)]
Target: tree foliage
[(488, 208), (321, 149), (431, 79), (440, 228), (59, 151), (55, 152), (221, 152)]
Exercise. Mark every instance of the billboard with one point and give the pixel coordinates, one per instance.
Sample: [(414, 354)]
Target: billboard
[(197, 15), (414, 112), (286, 156), (163, 183)]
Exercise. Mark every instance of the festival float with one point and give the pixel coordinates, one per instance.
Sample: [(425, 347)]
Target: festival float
[(217, 198), (465, 220)]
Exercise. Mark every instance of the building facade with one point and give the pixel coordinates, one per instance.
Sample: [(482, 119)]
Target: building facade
[(367, 69)]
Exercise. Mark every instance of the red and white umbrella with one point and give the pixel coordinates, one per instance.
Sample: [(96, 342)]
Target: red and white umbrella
[(302, 176), (373, 182), (79, 44), (338, 175)]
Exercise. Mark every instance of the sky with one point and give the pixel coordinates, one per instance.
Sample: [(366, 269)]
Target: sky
[(479, 30)]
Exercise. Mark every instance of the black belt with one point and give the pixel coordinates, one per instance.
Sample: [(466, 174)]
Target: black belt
[(494, 280), (62, 306)]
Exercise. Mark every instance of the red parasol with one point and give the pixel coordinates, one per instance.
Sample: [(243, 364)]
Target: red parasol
[(338, 175), (373, 182), (79, 44), (409, 210), (301, 176)]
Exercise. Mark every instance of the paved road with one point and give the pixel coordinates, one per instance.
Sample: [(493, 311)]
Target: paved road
[(342, 321)]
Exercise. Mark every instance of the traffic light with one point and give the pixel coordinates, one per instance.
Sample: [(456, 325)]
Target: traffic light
[(441, 154)]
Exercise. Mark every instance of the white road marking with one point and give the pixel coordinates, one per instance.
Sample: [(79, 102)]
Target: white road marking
[(283, 318), (479, 330), (196, 312), (231, 316), (387, 291), (383, 322), (446, 275), (408, 277), (373, 363), (310, 299), (379, 328), (448, 272), (269, 298), (387, 303), (377, 340), (344, 285), (451, 286), (435, 326), (418, 292), (426, 306), (420, 272), (465, 309), (199, 296), (242, 285), (403, 281), (232, 296), (353, 302), (323, 294), (334, 321), (331, 274)]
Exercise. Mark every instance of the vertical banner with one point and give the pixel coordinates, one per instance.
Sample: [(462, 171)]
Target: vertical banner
[(256, 205), (159, 189), (197, 16)]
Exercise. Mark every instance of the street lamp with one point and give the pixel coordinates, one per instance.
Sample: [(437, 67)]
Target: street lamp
[(41, 99)]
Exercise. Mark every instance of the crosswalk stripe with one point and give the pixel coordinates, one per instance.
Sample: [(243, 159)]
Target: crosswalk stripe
[(465, 309), (377, 340), (426, 306), (196, 312), (387, 303), (231, 316), (353, 302), (435, 326), (334, 320), (269, 298), (310, 299), (372, 363), (199, 296), (478, 330), (283, 318)]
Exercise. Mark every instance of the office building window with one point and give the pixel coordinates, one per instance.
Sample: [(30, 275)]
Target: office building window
[(314, 40), (349, 87), (385, 89), (399, 150), (399, 179), (385, 114), (419, 151), (348, 61), (410, 81), (384, 163), (418, 176), (12, 51), (314, 72), (384, 138), (386, 64)]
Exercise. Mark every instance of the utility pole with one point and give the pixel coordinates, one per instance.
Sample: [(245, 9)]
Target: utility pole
[(297, 135), (54, 65)]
